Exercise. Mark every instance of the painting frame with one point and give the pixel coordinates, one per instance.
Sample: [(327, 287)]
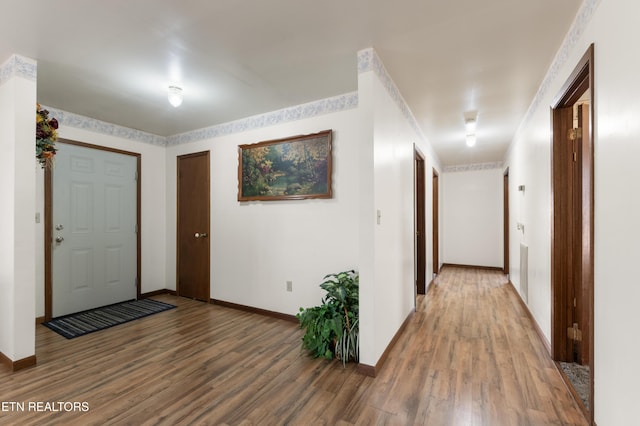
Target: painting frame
[(292, 168)]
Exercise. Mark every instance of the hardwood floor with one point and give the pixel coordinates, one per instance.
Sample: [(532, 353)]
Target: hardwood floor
[(469, 356)]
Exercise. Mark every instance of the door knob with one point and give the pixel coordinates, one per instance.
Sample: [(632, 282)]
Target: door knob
[(59, 240), (200, 235)]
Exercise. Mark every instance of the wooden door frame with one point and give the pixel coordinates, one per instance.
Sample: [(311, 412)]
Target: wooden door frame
[(207, 154), (420, 222), (506, 213), (581, 80), (435, 219), (48, 224)]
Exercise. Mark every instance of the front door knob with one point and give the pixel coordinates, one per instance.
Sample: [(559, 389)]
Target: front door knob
[(59, 240)]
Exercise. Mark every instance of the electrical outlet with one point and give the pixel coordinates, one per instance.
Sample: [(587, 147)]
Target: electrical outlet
[(289, 285)]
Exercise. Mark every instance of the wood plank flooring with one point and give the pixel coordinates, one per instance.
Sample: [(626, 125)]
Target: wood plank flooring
[(469, 356)]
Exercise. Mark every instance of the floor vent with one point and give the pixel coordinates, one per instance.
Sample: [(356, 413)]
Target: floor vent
[(524, 272)]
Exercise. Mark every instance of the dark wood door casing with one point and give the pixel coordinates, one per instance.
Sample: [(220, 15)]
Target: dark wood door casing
[(420, 238), (193, 220), (564, 228), (506, 221), (572, 232), (585, 241), (435, 189)]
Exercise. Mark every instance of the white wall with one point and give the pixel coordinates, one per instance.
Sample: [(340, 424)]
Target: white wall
[(394, 296), (387, 291), (7, 188), (257, 246), (472, 217), (611, 26), (17, 188), (153, 198)]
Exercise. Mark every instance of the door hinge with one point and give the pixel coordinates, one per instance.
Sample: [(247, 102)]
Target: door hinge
[(575, 133), (575, 157), (574, 333)]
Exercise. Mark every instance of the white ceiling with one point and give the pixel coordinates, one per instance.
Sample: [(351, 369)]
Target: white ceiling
[(112, 60)]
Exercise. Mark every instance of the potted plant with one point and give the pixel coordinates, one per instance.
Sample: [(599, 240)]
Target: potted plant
[(332, 329)]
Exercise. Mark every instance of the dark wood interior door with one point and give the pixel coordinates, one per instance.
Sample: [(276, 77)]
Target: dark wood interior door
[(572, 248), (193, 238), (564, 227), (436, 223), (421, 246), (584, 191)]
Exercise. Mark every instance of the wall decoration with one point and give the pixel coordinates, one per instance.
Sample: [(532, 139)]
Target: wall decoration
[(46, 136), (293, 168)]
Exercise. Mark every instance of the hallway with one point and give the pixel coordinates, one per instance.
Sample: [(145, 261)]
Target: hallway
[(468, 356), (482, 361)]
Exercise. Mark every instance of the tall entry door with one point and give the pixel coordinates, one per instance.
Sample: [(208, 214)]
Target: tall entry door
[(94, 235), (193, 227)]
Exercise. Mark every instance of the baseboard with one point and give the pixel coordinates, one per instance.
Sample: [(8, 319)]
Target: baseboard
[(157, 293), (537, 328), (367, 370), (19, 364), (372, 371), (486, 268), (273, 314), (39, 320)]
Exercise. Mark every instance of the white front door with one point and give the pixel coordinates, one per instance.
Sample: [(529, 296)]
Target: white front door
[(94, 255)]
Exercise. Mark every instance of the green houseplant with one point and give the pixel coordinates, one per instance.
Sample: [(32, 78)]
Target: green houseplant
[(332, 329)]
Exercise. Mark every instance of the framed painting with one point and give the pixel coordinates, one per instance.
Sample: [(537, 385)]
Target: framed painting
[(294, 168)]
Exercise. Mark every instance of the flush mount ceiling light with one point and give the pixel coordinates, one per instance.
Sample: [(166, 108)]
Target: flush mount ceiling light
[(470, 128), (471, 140), (175, 96)]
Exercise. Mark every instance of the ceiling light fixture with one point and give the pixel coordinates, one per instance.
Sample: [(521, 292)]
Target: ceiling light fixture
[(175, 96), (470, 127), (471, 140)]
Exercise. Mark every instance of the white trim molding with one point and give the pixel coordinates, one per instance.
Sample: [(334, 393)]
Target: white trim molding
[(298, 112), (18, 66), (473, 167), (368, 60), (582, 19), (81, 122)]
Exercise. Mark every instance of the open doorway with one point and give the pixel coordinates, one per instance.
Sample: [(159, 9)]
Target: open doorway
[(572, 231)]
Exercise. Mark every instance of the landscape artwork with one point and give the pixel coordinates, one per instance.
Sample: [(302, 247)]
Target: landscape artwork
[(293, 168)]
